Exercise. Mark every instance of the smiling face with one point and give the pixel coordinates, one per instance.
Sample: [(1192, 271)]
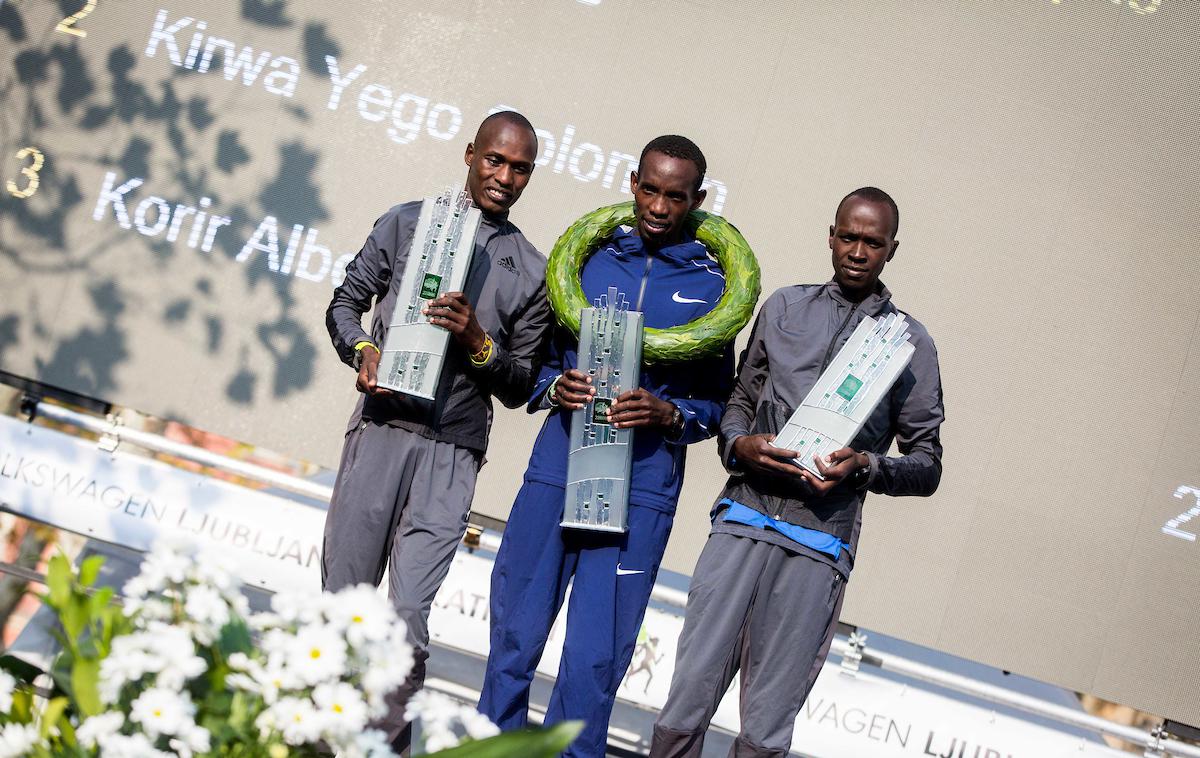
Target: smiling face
[(500, 162), (862, 242), (664, 190)]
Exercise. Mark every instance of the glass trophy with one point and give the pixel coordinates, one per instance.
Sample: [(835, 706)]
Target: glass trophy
[(848, 391), (438, 260), (610, 352)]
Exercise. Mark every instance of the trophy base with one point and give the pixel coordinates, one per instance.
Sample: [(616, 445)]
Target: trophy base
[(583, 526)]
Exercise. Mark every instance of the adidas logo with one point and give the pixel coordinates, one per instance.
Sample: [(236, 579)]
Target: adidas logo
[(508, 264)]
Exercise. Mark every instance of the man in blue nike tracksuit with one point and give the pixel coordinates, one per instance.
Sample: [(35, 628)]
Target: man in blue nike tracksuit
[(671, 280)]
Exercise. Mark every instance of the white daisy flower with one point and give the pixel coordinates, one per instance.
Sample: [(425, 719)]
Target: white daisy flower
[(370, 743), (8, 683), (162, 711), (208, 611), (477, 726), (344, 711), (130, 746), (17, 740), (98, 728), (316, 654), (362, 615), (294, 718)]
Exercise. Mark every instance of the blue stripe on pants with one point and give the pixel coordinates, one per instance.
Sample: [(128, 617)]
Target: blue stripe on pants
[(537, 559)]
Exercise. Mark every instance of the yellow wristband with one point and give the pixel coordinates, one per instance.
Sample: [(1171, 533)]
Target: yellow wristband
[(484, 353), (365, 343)]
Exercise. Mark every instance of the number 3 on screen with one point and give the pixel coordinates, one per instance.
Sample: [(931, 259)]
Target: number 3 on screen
[(30, 173), (68, 24)]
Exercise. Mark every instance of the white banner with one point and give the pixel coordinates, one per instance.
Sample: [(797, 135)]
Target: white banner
[(131, 500), (865, 716), (275, 543)]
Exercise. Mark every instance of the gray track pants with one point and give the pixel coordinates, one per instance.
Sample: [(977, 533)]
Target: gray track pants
[(756, 607), (402, 497)]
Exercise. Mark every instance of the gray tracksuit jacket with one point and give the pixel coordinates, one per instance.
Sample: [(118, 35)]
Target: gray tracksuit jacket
[(797, 333), (506, 284)]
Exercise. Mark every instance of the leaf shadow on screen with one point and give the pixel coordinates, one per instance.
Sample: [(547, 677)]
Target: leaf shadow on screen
[(318, 44), (8, 334), (92, 355), (12, 23), (266, 12), (168, 144)]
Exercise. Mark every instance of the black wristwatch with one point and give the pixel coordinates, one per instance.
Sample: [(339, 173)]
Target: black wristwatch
[(860, 477), (676, 427)]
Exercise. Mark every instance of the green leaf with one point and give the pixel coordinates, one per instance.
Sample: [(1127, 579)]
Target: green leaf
[(234, 638), (85, 679), (704, 336), (73, 615), (22, 707), (99, 600), (527, 743), (89, 570), (58, 581), (54, 711)]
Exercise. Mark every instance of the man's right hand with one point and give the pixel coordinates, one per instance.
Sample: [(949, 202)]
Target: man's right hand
[(573, 389), (368, 373), (755, 452)]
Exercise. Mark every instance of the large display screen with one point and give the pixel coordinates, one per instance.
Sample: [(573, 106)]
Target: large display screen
[(182, 184)]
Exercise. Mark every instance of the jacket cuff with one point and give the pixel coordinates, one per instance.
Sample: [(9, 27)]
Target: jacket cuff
[(873, 464), (728, 460)]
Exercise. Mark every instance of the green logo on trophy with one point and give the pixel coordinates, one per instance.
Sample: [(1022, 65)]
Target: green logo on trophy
[(849, 386), (600, 407), (838, 405), (601, 456), (430, 285), (441, 250)]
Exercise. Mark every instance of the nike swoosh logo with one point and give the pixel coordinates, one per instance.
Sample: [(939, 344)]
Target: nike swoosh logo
[(681, 299), (627, 572)]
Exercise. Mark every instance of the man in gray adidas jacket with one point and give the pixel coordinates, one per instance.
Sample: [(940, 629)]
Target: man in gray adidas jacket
[(408, 467), (768, 587)]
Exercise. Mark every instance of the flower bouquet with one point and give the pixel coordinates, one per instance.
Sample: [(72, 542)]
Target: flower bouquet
[(184, 669)]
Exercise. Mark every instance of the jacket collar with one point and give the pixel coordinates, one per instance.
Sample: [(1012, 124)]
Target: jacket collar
[(628, 243), (872, 304)]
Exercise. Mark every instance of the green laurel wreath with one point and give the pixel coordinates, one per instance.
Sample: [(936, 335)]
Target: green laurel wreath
[(701, 338)]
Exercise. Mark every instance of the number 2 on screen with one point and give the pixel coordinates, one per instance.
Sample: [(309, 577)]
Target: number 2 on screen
[(68, 24), (1172, 527)]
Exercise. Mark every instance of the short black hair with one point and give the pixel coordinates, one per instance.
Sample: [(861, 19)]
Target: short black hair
[(874, 195), (509, 117), (676, 147)]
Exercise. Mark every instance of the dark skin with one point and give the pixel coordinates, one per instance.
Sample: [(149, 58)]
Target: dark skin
[(499, 164), (862, 241), (665, 189)]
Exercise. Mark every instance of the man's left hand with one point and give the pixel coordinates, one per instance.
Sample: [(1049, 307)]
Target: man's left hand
[(453, 312), (835, 467), (640, 408)]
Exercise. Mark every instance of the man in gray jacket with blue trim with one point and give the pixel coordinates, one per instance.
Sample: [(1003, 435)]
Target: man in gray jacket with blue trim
[(768, 587)]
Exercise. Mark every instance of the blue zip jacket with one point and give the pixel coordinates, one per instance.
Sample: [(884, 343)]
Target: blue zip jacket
[(675, 285)]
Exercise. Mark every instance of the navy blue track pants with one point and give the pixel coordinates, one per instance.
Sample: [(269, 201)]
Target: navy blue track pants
[(613, 575)]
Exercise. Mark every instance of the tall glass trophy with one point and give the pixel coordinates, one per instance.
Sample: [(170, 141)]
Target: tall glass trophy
[(600, 458), (438, 261), (848, 391)]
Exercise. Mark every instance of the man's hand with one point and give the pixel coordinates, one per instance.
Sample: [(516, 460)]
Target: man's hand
[(573, 389), (835, 467), (453, 312), (640, 408), (368, 373), (755, 452)]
